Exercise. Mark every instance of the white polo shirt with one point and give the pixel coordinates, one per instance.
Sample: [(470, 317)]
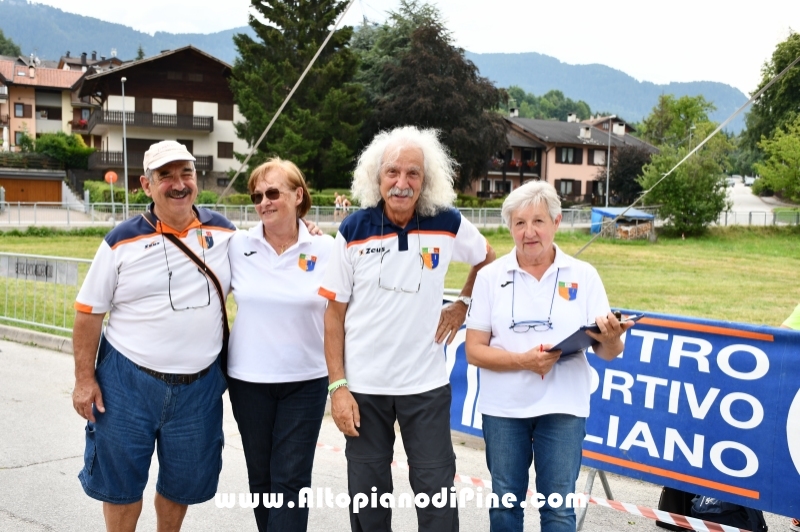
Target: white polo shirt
[(130, 278), (278, 332), (389, 343), (578, 297)]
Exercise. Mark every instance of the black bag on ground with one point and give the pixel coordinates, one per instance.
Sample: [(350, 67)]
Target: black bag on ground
[(675, 502), (726, 513)]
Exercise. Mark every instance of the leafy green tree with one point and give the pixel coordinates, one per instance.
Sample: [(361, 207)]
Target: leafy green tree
[(420, 78), (778, 106), (553, 105), (8, 47), (671, 121), (627, 163), (68, 149), (140, 53), (780, 170), (694, 195), (319, 128)]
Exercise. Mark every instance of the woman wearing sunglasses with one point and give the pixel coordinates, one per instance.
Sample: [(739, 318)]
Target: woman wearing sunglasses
[(278, 377), (535, 402)]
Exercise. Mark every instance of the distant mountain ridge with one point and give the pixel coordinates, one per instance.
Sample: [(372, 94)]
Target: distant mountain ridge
[(602, 87), (51, 32)]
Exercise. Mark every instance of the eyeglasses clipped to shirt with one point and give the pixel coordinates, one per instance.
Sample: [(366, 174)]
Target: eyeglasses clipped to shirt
[(536, 325), (383, 255)]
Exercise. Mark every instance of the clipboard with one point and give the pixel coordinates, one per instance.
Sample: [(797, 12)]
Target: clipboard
[(579, 340)]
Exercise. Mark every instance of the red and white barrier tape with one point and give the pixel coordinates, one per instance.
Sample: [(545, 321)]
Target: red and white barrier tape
[(684, 521)]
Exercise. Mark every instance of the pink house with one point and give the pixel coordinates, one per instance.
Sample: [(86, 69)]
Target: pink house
[(570, 155)]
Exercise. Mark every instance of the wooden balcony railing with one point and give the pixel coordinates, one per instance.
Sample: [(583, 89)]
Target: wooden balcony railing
[(159, 120), (114, 159)]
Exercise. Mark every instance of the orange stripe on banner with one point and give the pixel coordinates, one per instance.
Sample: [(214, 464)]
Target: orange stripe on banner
[(670, 324), (671, 474)]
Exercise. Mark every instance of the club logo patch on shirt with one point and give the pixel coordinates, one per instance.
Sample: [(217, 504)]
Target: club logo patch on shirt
[(568, 291), (307, 262), (206, 240), (430, 257)]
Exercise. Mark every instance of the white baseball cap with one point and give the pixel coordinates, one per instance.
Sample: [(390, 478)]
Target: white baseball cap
[(165, 152)]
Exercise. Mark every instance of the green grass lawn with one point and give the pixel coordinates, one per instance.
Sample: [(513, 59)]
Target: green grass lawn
[(742, 274)]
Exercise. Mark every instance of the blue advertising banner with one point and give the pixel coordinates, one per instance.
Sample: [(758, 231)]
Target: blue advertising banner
[(708, 407)]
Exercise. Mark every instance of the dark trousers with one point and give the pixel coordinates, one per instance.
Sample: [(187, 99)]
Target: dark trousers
[(424, 420), (279, 424)]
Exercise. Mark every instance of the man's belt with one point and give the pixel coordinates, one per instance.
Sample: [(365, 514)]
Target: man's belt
[(175, 378)]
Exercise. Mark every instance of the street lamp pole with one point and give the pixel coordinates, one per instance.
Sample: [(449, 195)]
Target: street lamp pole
[(124, 149), (608, 157)]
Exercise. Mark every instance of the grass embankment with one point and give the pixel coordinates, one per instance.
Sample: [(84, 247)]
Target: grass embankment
[(742, 274)]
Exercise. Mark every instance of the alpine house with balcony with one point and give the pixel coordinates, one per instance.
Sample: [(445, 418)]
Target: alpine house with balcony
[(181, 95)]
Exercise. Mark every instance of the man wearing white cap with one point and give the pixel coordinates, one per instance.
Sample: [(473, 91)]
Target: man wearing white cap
[(157, 381)]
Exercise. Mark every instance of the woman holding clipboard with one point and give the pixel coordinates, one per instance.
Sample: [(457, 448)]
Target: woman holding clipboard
[(533, 401)]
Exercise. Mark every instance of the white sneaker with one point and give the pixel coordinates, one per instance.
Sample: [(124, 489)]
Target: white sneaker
[(795, 525)]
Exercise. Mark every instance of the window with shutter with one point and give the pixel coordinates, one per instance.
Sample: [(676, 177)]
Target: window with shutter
[(225, 150)]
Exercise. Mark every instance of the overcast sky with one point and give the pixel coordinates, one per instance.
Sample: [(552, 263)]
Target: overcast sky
[(679, 40)]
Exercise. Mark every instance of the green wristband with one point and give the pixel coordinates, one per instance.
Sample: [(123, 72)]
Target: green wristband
[(332, 386)]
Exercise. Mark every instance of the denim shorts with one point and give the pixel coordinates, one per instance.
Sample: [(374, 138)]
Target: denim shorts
[(183, 421)]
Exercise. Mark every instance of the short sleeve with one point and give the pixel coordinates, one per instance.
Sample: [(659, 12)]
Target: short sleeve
[(97, 292), (470, 245), (338, 282), (479, 315)]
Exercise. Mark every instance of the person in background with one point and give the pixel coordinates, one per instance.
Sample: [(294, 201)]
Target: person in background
[(276, 366), (535, 402)]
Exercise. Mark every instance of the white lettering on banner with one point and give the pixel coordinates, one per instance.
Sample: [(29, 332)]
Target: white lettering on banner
[(624, 387), (749, 469), (650, 388), (648, 337), (724, 362), (647, 441), (725, 410), (694, 456), (676, 352), (699, 411), (640, 435), (674, 396)]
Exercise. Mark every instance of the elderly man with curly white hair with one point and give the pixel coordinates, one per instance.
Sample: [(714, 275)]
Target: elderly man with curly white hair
[(385, 325)]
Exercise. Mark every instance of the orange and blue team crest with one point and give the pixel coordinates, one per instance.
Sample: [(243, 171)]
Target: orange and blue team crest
[(430, 257), (307, 262), (568, 291), (206, 240)]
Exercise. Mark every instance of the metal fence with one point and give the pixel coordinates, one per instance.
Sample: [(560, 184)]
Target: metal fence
[(37, 290), (21, 214)]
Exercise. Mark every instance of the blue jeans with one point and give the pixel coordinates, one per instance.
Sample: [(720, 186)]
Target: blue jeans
[(279, 424), (184, 421), (556, 440)]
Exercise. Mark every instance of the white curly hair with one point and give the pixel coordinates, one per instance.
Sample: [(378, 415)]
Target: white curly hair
[(439, 170)]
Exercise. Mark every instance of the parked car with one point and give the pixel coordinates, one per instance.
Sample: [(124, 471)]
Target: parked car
[(749, 180), (731, 181)]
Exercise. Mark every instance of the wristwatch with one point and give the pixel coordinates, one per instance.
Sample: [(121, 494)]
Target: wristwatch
[(464, 299)]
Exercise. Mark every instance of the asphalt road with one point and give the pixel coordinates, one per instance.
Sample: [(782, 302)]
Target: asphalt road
[(41, 453)]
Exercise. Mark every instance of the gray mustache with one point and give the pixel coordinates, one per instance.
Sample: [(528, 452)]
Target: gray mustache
[(401, 192), (179, 194)]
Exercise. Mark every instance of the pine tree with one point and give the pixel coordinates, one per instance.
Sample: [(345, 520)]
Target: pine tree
[(8, 47), (140, 53), (415, 76), (319, 128)]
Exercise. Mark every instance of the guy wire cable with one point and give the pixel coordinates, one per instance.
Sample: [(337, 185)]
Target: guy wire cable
[(719, 128), (289, 97)]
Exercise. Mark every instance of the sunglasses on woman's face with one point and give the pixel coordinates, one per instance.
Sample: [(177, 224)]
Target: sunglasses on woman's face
[(271, 193)]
